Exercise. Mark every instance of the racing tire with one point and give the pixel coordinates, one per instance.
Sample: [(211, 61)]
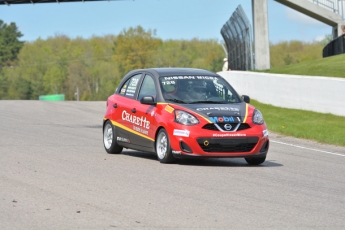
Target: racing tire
[(109, 139), (163, 149), (255, 160)]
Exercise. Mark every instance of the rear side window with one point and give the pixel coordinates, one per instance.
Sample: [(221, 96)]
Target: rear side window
[(130, 86)]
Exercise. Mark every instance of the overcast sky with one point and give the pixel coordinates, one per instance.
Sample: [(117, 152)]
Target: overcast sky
[(172, 19)]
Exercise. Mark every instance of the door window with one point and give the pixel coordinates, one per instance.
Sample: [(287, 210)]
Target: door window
[(148, 88)]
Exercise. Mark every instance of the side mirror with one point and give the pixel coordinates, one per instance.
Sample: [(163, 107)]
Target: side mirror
[(148, 100), (245, 98)]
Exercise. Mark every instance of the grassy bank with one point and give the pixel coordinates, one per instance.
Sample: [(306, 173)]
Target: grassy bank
[(329, 67), (324, 128)]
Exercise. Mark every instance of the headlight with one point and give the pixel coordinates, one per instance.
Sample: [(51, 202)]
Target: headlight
[(185, 118), (257, 117)]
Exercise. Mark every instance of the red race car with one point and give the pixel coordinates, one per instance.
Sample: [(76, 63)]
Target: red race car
[(183, 112)]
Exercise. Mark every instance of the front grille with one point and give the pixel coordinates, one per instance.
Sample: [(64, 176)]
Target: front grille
[(242, 126), (210, 127), (228, 144)]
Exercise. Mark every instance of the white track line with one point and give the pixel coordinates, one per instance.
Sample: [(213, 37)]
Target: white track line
[(317, 150)]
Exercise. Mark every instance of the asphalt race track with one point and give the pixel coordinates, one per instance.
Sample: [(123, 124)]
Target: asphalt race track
[(55, 174)]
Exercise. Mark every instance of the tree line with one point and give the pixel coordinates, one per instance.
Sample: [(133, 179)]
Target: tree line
[(60, 65), (95, 66), (294, 51)]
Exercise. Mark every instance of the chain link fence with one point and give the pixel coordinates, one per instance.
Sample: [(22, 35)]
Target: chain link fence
[(237, 35)]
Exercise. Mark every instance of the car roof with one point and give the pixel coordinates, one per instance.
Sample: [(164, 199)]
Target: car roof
[(179, 71)]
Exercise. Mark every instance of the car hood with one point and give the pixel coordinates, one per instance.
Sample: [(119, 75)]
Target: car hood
[(220, 112)]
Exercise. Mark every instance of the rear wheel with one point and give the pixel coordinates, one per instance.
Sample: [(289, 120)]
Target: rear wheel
[(163, 149), (109, 139), (256, 160)]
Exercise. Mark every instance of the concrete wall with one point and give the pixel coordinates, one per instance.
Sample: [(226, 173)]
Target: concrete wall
[(319, 94)]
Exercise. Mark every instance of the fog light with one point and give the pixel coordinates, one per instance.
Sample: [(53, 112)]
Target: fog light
[(184, 147)]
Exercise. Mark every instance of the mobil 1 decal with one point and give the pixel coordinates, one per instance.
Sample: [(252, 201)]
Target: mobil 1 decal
[(226, 119)]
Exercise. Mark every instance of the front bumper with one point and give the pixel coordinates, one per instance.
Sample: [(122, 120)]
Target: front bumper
[(253, 142)]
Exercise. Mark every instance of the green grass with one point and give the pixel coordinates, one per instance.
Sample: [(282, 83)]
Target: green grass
[(324, 128), (328, 67)]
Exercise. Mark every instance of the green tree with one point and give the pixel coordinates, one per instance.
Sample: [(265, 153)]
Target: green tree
[(9, 49), (327, 39), (134, 48), (9, 43), (288, 59), (290, 52)]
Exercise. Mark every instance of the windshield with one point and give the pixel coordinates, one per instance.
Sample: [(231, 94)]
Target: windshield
[(197, 89)]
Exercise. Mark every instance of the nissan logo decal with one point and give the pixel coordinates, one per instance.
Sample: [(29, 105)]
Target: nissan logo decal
[(227, 127)]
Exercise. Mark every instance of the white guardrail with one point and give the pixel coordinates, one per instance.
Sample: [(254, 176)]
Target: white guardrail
[(319, 94)]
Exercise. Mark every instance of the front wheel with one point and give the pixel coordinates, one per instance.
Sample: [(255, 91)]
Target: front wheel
[(109, 139), (256, 160), (163, 149)]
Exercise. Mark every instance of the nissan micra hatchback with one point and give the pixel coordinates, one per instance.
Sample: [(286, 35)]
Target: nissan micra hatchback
[(183, 112)]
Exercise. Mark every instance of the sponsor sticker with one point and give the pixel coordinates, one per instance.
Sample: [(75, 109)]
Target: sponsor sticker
[(229, 135), (134, 82), (179, 77), (140, 121), (140, 130), (222, 119), (206, 77), (265, 133), (181, 133), (190, 77), (123, 139), (218, 108), (169, 109)]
